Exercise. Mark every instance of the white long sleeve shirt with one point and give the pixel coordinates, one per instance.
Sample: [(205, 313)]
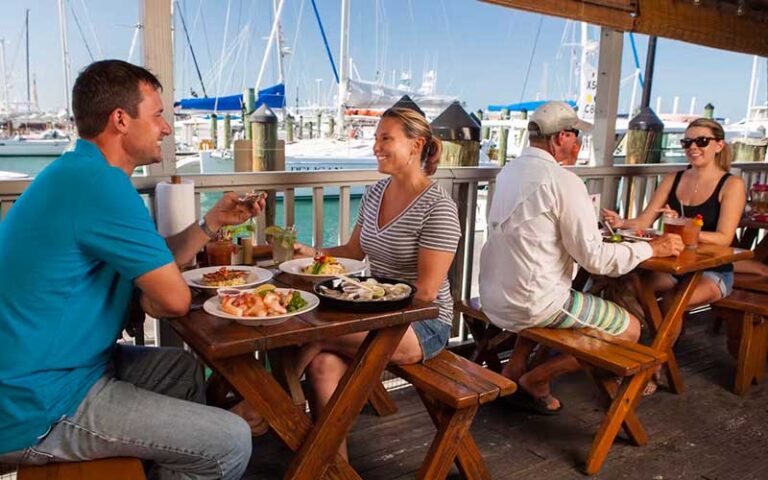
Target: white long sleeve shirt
[(541, 221)]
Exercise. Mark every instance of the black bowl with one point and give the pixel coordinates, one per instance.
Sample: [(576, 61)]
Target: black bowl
[(363, 306)]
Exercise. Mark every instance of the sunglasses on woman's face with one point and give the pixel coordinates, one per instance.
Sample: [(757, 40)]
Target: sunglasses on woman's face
[(700, 142)]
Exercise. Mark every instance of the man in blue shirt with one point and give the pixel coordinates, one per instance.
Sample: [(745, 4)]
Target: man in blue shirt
[(72, 249)]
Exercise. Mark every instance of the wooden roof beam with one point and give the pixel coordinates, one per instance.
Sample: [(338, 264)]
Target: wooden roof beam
[(711, 24)]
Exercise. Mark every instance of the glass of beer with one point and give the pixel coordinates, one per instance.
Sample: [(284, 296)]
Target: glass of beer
[(675, 225)]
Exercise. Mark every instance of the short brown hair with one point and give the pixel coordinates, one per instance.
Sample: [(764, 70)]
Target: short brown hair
[(104, 86), (416, 126), (725, 156)]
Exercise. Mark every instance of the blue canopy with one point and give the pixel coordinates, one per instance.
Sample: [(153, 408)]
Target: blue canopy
[(529, 106), (273, 97)]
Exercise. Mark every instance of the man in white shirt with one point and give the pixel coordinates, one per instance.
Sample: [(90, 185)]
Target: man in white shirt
[(541, 222)]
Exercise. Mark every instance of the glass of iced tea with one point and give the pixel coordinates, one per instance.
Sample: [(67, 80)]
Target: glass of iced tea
[(691, 234)]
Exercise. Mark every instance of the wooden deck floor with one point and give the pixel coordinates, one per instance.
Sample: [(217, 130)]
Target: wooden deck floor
[(708, 433)]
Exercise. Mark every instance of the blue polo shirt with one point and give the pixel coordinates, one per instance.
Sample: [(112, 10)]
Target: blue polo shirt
[(70, 248)]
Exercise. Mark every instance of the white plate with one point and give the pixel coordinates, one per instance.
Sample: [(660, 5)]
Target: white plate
[(212, 306), (629, 233), (256, 275), (294, 267)]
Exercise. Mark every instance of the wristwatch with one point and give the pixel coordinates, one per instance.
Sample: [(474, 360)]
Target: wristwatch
[(206, 229)]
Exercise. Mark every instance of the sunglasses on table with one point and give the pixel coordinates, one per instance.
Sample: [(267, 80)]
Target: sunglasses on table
[(700, 142)]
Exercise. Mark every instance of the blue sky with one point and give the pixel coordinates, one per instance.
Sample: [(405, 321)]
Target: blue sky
[(481, 51)]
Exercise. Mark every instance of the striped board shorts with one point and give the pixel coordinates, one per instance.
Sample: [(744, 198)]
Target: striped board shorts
[(591, 311)]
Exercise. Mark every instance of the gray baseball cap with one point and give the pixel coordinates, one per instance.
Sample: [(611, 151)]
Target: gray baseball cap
[(553, 117)]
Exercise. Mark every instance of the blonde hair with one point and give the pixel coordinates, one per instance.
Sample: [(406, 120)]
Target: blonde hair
[(416, 126), (724, 157)]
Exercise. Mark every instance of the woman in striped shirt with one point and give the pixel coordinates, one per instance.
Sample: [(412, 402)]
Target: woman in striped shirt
[(408, 227)]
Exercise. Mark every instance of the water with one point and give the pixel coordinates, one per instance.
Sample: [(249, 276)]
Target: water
[(303, 206), (29, 165)]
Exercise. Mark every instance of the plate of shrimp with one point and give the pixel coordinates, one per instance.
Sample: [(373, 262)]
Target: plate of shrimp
[(260, 306)]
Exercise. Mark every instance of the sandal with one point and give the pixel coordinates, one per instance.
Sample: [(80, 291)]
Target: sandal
[(540, 405), (652, 385)]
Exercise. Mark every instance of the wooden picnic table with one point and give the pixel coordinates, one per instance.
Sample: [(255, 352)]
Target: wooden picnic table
[(690, 264), (750, 229), (228, 348)]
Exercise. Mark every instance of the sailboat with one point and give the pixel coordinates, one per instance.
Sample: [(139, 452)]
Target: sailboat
[(48, 142)]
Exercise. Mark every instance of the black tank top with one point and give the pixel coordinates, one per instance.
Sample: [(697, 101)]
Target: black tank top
[(709, 210)]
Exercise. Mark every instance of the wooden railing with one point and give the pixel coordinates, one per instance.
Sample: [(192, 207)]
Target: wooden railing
[(626, 187)]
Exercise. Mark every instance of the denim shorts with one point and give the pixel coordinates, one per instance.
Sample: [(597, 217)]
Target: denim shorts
[(723, 280), (433, 336)]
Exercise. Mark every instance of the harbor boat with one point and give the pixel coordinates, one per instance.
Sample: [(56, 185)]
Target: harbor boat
[(50, 144)]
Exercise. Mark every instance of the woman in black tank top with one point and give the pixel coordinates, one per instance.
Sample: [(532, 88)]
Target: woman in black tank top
[(705, 188)]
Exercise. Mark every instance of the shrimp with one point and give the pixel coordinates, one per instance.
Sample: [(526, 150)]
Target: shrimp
[(272, 301), (257, 307)]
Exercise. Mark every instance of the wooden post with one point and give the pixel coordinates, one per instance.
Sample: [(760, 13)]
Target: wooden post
[(264, 133), (157, 55), (486, 131), (319, 123), (227, 131), (309, 127), (289, 129), (709, 111), (606, 107), (214, 131), (331, 126), (502, 155), (301, 127), (249, 103)]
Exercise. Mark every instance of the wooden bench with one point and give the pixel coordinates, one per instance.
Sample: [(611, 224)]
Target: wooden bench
[(632, 362), (746, 317), (107, 468), (488, 338), (750, 281), (452, 388)]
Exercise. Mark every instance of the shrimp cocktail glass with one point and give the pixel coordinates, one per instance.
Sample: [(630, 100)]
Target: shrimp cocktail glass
[(282, 242)]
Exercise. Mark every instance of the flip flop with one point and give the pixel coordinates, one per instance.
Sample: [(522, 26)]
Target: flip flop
[(525, 401)]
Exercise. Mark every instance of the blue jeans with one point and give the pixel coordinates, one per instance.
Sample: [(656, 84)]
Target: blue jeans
[(433, 336), (149, 405)]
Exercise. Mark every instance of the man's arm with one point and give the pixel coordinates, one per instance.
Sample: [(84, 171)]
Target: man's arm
[(164, 292), (229, 210)]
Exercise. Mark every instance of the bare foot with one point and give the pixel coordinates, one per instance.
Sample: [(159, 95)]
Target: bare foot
[(539, 391), (258, 425)]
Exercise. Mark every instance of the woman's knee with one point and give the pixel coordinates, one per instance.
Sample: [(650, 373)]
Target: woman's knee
[(235, 447), (326, 365)]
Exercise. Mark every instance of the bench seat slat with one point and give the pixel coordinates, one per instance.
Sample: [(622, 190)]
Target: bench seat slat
[(613, 355), (444, 389), (503, 384), (745, 301), (750, 281)]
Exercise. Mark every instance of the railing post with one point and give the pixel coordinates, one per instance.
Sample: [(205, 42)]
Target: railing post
[(606, 107)]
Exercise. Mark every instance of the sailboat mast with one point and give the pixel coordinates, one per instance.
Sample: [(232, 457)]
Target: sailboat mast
[(26, 30), (281, 74), (64, 54), (5, 105), (344, 55)]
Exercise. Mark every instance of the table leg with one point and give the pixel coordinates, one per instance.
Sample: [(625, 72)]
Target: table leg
[(265, 394), (281, 360), (325, 438), (664, 329)]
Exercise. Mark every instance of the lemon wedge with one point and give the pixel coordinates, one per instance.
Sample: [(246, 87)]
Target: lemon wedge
[(274, 230), (264, 289)]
